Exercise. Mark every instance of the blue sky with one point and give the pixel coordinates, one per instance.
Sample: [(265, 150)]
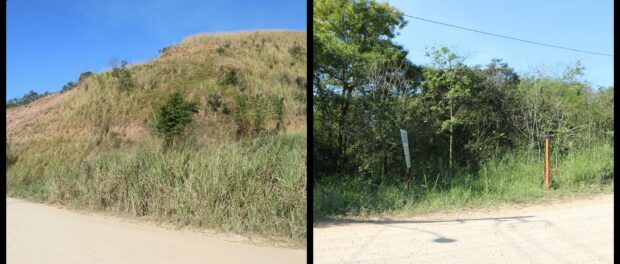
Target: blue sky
[(49, 43), (585, 25)]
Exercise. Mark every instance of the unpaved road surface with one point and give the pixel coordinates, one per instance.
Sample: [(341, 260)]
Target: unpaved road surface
[(577, 231), (39, 233)]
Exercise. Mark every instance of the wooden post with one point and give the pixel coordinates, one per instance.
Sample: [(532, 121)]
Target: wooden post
[(547, 173)]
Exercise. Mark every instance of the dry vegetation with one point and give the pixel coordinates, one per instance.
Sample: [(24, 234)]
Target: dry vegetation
[(241, 164)]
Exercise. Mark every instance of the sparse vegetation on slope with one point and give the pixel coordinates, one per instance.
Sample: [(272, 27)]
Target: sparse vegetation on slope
[(239, 165)]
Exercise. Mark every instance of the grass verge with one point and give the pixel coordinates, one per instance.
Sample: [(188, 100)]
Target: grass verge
[(255, 187), (515, 178)]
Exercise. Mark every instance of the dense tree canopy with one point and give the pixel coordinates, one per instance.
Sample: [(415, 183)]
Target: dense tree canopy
[(365, 90)]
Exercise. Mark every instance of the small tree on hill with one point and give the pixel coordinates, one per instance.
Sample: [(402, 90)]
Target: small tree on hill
[(84, 76), (173, 117), (68, 87)]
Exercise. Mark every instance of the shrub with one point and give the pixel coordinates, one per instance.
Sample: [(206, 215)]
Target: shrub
[(296, 51), (68, 87), (173, 117), (214, 101), (242, 118), (123, 76), (260, 114), (163, 51), (231, 78), (84, 75)]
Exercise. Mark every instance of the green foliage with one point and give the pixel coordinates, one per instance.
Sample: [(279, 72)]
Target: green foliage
[(513, 178), (349, 38), (260, 114), (68, 87), (230, 78), (253, 114), (123, 77), (28, 98), (84, 76), (173, 117), (278, 103), (256, 187), (460, 118), (164, 50)]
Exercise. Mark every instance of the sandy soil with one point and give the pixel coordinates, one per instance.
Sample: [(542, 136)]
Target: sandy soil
[(576, 231), (38, 233)]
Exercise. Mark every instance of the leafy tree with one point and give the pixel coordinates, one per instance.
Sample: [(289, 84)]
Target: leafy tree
[(173, 117), (365, 90), (68, 87), (447, 81), (348, 37)]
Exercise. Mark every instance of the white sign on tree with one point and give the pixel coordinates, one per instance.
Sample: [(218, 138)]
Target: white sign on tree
[(403, 136)]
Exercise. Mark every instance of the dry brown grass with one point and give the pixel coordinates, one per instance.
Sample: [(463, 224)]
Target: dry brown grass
[(261, 60)]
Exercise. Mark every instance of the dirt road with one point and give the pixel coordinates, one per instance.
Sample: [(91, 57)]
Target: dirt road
[(579, 231), (39, 233)]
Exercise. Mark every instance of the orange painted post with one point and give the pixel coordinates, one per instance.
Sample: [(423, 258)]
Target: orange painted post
[(547, 174)]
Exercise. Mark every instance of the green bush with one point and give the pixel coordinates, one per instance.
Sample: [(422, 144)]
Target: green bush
[(68, 87), (84, 76), (173, 117), (163, 51), (242, 118), (123, 76), (230, 78), (278, 112)]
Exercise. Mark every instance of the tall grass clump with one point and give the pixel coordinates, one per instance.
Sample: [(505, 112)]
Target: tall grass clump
[(256, 187)]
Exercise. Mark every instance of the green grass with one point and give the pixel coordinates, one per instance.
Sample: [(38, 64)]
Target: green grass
[(254, 187), (515, 178)]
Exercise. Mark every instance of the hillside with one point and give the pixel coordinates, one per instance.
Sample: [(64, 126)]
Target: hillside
[(95, 147)]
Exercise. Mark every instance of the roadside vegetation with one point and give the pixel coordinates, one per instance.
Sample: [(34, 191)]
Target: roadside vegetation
[(209, 134), (476, 133)]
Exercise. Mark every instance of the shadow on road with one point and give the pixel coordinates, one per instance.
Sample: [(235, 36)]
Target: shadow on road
[(338, 222)]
